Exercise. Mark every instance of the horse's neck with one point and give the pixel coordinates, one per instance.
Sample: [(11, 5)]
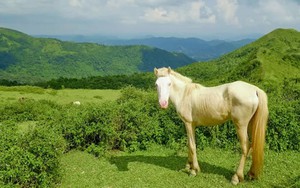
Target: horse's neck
[(177, 91)]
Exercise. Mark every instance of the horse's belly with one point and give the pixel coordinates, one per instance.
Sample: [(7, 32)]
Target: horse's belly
[(208, 119)]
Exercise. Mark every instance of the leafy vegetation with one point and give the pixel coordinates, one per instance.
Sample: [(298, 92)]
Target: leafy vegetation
[(29, 156), (27, 59)]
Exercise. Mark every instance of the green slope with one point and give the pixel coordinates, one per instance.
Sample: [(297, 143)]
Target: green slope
[(27, 59), (271, 59)]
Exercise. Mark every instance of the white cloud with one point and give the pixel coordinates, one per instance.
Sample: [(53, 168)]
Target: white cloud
[(280, 11), (227, 9), (24, 7), (187, 12), (201, 13), (161, 15), (149, 16)]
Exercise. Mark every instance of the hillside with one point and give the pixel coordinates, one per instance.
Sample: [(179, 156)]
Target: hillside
[(27, 59), (271, 59), (198, 49)]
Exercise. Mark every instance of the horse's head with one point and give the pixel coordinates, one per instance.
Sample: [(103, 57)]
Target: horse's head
[(163, 84)]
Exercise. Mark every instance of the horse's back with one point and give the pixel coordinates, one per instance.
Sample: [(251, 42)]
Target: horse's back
[(242, 91), (215, 105)]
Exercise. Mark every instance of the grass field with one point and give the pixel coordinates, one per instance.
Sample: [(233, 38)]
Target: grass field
[(161, 167), (65, 96)]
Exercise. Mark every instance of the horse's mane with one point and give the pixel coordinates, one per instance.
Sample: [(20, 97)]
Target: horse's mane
[(181, 77), (168, 71)]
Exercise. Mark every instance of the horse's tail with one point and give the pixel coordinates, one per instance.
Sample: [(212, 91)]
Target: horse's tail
[(259, 124)]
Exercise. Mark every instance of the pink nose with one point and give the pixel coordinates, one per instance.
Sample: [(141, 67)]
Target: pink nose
[(163, 104)]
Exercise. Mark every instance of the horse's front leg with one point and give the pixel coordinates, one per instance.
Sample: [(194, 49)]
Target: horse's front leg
[(192, 165)]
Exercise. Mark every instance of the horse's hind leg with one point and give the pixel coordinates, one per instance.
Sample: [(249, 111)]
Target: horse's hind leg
[(244, 141)]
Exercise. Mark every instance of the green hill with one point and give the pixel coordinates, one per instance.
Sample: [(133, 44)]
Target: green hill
[(271, 59), (27, 59)]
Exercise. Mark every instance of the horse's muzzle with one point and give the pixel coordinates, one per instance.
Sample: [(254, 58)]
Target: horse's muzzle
[(164, 104)]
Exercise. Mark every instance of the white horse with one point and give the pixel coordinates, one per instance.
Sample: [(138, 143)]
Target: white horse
[(243, 103)]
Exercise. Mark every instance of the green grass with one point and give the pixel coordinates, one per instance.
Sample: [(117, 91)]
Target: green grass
[(161, 167), (64, 96)]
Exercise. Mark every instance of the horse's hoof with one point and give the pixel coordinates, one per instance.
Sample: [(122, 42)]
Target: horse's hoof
[(185, 170), (251, 176), (193, 173), (235, 179)]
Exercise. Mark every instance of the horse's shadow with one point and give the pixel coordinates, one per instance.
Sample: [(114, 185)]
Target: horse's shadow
[(170, 162)]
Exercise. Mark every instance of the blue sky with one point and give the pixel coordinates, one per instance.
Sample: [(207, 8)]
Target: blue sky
[(136, 18)]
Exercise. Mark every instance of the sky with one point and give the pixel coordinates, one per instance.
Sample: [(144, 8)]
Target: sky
[(219, 19)]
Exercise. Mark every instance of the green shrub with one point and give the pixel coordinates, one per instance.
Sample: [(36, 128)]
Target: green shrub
[(283, 132), (83, 126), (131, 123), (29, 110), (30, 159)]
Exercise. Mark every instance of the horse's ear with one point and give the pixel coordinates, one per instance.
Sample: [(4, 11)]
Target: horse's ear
[(169, 70), (155, 71)]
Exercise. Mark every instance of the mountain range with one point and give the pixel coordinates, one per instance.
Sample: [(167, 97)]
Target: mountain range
[(273, 58), (198, 49), (28, 59)]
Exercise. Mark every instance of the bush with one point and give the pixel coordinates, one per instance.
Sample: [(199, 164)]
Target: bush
[(29, 110), (29, 159), (86, 125), (283, 131), (131, 123)]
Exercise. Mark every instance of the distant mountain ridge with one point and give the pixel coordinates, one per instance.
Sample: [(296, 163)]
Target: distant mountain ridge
[(195, 48), (24, 58), (198, 49)]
